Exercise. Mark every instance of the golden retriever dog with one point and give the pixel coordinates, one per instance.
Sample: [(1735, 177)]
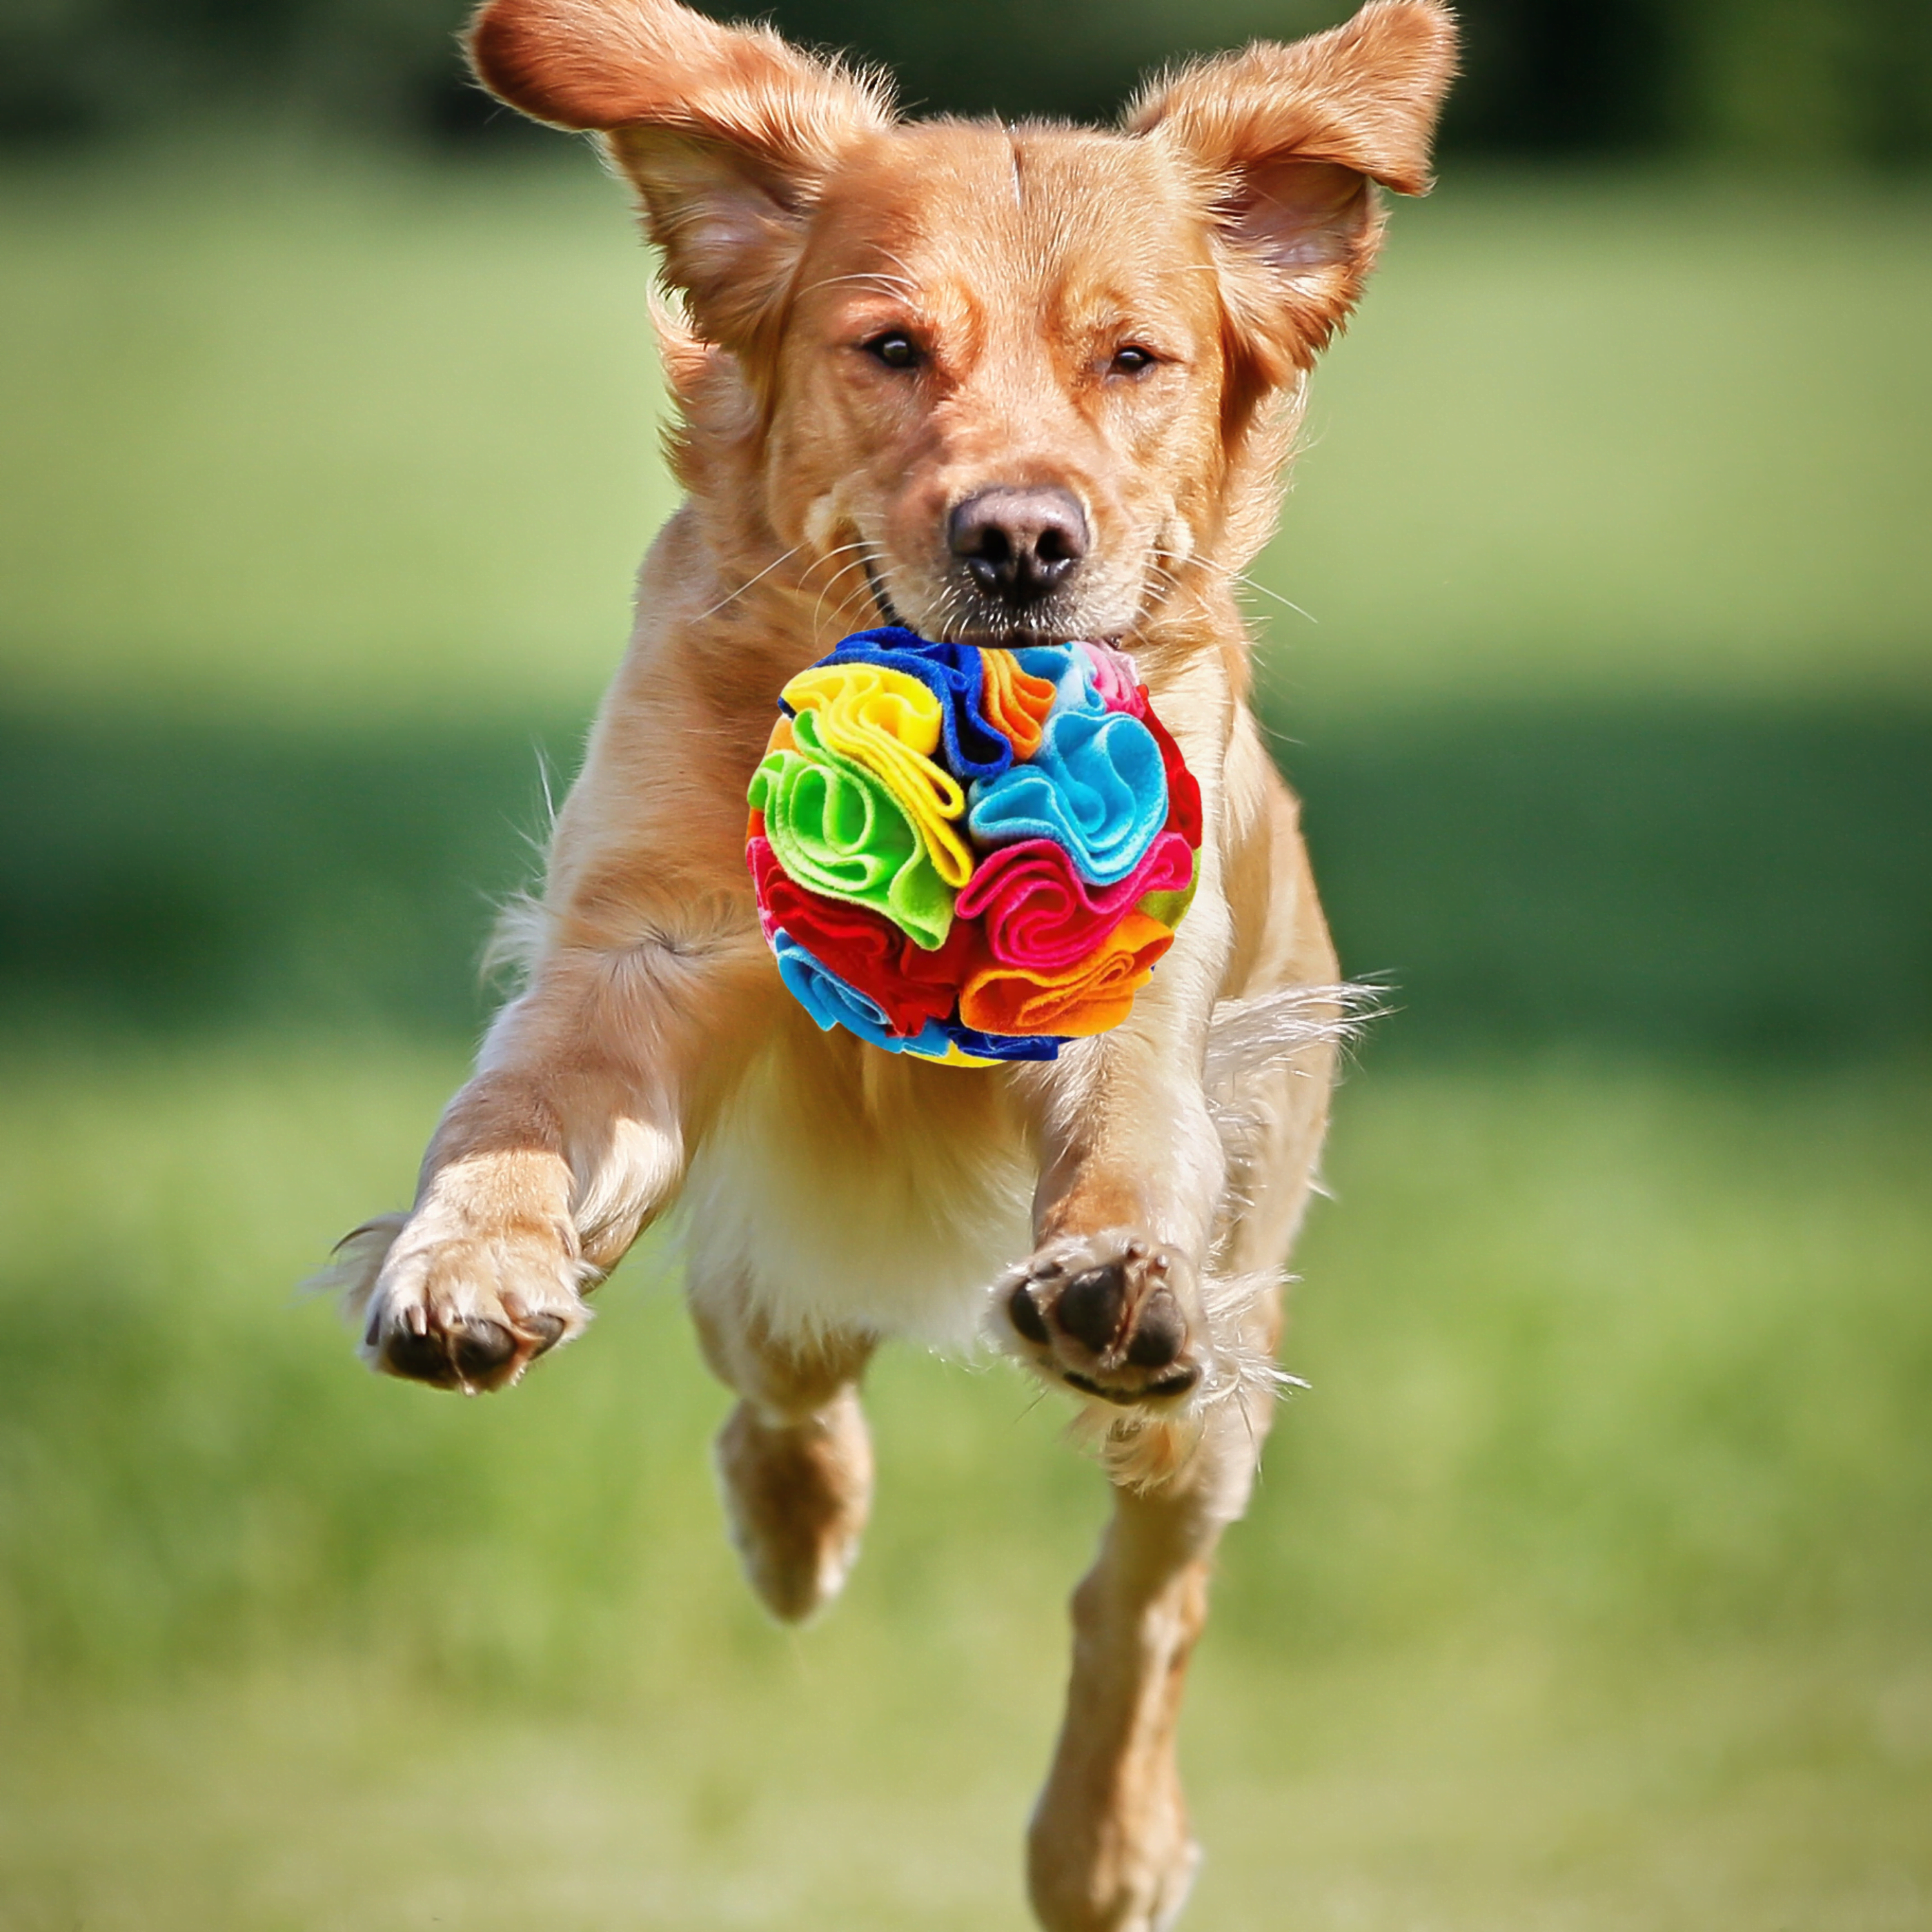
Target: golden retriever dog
[(1001, 385)]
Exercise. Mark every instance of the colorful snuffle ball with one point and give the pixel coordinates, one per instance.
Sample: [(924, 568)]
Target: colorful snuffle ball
[(970, 855)]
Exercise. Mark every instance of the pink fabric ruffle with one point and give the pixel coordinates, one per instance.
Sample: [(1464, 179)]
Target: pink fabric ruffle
[(1040, 916)]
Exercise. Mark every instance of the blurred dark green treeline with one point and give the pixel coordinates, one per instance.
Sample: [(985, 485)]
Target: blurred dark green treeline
[(1652, 875), (1816, 79)]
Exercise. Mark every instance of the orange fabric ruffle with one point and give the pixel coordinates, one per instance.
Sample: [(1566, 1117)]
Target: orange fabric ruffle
[(1015, 701), (1089, 997)]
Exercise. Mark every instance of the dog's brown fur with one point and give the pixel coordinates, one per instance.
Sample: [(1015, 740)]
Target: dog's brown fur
[(838, 1194)]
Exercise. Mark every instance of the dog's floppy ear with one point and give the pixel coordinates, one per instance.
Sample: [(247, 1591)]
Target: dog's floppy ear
[(1287, 140), (728, 132)]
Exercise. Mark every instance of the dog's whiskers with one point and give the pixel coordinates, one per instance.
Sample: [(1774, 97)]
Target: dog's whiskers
[(818, 614), (1230, 574), (862, 562), (732, 598)]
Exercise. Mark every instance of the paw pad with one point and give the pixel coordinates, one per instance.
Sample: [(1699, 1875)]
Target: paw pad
[(1108, 1315)]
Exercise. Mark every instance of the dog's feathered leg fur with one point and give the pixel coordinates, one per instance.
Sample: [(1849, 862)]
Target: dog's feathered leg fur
[(569, 1139)]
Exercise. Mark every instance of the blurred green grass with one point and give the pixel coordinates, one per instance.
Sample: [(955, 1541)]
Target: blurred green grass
[(301, 435), (296, 433), (1587, 1586), (1624, 433), (1587, 1589)]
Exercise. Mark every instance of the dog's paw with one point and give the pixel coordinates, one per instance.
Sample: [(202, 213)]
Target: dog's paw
[(1113, 1315), (463, 1309)]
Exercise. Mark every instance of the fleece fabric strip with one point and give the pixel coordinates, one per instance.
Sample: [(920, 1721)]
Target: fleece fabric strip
[(1089, 997), (1040, 916), (838, 829), (888, 724), (975, 747), (831, 1003), (909, 984)]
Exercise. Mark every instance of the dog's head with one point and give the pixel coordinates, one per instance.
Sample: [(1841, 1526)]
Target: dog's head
[(1009, 379)]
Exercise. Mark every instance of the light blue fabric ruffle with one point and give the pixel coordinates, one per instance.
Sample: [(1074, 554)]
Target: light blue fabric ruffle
[(1096, 786), (833, 1002)]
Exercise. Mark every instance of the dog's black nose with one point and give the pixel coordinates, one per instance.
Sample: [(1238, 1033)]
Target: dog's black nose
[(1017, 544)]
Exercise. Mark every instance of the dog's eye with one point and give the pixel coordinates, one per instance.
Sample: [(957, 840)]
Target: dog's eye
[(896, 349), (1132, 360)]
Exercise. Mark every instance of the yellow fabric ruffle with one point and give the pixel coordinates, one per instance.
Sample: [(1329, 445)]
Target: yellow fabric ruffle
[(888, 722)]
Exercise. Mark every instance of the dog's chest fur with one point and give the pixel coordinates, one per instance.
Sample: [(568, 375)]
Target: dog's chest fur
[(841, 1189)]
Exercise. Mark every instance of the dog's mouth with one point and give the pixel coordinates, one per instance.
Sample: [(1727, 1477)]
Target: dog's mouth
[(1052, 623)]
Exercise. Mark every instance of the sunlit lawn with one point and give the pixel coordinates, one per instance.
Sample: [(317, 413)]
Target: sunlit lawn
[(1588, 1589), (304, 434)]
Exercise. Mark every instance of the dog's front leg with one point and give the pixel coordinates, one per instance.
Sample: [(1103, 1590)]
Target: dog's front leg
[(567, 1141), (1132, 1174)]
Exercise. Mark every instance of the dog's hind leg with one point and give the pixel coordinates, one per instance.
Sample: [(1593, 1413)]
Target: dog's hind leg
[(1109, 1849), (794, 1459)]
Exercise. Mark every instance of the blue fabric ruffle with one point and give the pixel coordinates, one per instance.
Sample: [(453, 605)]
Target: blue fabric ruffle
[(1001, 1046), (1069, 669), (833, 1002), (975, 748)]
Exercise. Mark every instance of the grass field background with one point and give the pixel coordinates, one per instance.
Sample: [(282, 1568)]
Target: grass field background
[(1587, 1588)]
